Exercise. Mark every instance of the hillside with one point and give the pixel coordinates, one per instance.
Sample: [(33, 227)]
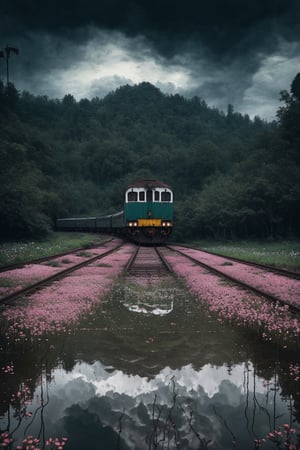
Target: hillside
[(232, 176)]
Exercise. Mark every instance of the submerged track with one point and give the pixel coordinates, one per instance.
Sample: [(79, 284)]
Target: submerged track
[(148, 264)]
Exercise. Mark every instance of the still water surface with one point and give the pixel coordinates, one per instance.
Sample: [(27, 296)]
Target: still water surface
[(151, 369)]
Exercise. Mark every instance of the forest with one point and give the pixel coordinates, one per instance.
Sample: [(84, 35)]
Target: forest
[(233, 177)]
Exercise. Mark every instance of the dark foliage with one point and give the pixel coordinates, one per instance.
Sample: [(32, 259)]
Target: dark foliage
[(232, 176)]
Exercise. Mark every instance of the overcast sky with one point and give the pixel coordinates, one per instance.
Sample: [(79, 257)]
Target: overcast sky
[(225, 51)]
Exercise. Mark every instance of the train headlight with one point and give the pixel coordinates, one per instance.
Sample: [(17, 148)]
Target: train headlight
[(132, 224), (166, 224)]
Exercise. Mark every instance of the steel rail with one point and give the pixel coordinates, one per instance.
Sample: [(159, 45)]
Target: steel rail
[(131, 261), (287, 273), (63, 273), (48, 258), (273, 298), (141, 268), (163, 260)]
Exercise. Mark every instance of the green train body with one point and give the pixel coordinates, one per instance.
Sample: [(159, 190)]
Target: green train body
[(147, 217), (149, 211)]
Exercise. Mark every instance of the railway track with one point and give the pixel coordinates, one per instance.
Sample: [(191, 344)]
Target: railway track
[(285, 272), (20, 264), (147, 262), (61, 273), (263, 281)]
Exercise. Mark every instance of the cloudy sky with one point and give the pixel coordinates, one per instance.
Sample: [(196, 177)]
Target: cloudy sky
[(242, 52)]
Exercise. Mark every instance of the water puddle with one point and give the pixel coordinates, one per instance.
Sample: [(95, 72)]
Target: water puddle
[(151, 369)]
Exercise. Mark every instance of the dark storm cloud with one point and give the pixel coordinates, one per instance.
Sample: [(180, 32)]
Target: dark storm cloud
[(222, 27), (225, 47)]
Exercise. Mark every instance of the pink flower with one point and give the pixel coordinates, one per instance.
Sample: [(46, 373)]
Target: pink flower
[(54, 308)]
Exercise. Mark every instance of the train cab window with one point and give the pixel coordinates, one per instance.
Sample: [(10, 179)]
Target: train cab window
[(141, 196), (149, 196), (132, 196), (156, 196), (165, 196)]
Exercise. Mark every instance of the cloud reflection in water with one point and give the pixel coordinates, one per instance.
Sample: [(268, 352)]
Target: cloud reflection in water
[(212, 396)]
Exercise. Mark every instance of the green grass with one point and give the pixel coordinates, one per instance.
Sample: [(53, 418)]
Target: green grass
[(84, 254), (14, 252), (53, 264), (284, 254), (7, 283)]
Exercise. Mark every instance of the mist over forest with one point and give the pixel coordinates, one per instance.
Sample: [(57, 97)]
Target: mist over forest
[(233, 177)]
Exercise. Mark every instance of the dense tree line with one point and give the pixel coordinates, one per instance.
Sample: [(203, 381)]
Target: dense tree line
[(233, 177)]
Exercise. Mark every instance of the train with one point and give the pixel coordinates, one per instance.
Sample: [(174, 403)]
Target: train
[(147, 216)]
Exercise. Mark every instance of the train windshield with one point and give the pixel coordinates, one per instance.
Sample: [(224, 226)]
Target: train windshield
[(149, 195), (165, 196), (132, 196)]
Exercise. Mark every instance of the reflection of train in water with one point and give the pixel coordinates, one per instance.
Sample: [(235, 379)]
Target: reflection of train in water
[(155, 310), (147, 217)]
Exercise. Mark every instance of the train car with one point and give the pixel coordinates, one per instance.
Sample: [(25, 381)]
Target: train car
[(147, 217), (105, 224), (76, 224), (149, 211), (113, 223)]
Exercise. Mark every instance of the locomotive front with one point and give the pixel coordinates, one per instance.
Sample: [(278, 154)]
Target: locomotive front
[(149, 211)]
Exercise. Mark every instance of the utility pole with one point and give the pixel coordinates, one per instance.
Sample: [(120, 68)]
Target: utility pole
[(6, 54)]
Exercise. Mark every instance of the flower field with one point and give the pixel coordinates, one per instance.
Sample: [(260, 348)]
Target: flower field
[(232, 303)]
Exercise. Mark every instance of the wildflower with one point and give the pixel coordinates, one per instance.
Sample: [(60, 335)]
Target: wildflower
[(6, 439)]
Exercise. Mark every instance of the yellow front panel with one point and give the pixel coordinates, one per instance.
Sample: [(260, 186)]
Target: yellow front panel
[(149, 222)]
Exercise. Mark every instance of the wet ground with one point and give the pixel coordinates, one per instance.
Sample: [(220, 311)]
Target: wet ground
[(151, 368)]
